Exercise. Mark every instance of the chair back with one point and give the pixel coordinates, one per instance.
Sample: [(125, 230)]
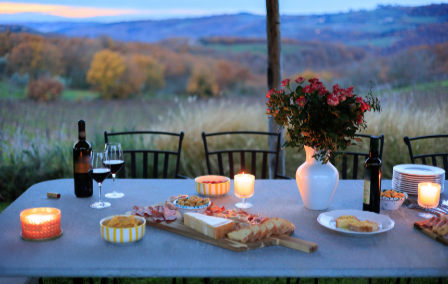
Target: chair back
[(155, 162), (232, 161), (353, 161), (437, 159)]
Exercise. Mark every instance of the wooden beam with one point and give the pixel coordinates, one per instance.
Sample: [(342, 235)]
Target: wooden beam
[(274, 76)]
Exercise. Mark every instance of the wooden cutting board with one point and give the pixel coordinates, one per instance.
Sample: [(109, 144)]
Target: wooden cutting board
[(286, 241), (430, 233)]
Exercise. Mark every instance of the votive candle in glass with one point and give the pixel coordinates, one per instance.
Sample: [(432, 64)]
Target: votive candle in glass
[(428, 194), (244, 185), (40, 223)]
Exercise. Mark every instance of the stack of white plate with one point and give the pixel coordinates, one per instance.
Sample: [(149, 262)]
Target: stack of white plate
[(407, 177)]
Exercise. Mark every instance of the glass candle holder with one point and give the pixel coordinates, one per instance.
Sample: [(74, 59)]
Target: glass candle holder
[(40, 223), (244, 188), (428, 196)]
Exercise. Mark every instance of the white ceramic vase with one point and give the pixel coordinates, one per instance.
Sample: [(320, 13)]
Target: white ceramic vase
[(317, 182)]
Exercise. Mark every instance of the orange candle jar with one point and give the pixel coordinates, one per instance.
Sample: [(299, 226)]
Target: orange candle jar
[(40, 223)]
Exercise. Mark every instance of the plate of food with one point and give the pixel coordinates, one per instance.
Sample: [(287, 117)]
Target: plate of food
[(356, 222)]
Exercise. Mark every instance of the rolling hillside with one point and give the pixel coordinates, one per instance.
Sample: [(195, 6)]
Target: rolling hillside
[(387, 28)]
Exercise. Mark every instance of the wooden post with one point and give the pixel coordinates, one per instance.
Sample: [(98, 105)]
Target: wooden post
[(274, 77)]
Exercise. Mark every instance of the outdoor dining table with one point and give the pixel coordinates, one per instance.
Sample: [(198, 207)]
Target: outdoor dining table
[(80, 251)]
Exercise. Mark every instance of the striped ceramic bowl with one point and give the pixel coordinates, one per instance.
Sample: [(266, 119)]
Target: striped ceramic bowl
[(212, 185), (123, 235)]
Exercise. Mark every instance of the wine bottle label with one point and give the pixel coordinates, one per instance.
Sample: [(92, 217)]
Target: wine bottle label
[(82, 166), (366, 195)]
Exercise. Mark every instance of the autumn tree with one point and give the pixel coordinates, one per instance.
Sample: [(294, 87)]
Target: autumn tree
[(152, 71), (76, 59), (105, 73), (36, 57), (203, 83)]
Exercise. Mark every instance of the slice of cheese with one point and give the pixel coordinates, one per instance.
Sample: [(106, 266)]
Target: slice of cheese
[(214, 227)]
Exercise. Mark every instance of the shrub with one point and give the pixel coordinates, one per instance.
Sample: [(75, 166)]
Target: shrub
[(20, 171), (44, 90), (202, 84)]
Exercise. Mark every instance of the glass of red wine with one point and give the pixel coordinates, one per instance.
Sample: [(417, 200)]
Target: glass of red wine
[(114, 161), (99, 173)]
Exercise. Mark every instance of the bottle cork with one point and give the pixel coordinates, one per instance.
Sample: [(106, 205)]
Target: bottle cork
[(53, 195)]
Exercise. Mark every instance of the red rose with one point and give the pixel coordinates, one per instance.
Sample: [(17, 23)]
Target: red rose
[(336, 88), (359, 100), (332, 100), (359, 120), (268, 95), (365, 106), (349, 91), (307, 89), (285, 82), (299, 80), (314, 81), (301, 101), (322, 91), (342, 95)]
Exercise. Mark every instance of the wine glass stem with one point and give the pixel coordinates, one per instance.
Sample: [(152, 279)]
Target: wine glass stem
[(113, 178), (244, 201), (99, 192)]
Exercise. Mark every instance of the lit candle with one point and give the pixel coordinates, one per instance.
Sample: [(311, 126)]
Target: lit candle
[(244, 185), (428, 194), (40, 223)]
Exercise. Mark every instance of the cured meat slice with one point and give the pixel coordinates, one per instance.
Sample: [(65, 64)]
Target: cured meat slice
[(169, 214)]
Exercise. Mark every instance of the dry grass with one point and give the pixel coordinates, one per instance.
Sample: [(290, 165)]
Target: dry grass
[(46, 126)]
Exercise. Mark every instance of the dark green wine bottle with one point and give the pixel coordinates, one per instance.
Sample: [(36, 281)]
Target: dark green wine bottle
[(372, 178), (82, 151)]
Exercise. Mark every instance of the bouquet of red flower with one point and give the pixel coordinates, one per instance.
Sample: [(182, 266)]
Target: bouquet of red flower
[(316, 117)]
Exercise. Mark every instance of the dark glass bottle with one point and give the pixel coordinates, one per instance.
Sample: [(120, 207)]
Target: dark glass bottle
[(372, 178), (82, 151)]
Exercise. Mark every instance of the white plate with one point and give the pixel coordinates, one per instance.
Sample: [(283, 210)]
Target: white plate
[(328, 220), (420, 170)]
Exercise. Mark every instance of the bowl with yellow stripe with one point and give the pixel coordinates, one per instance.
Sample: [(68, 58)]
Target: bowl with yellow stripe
[(125, 232), (212, 185)]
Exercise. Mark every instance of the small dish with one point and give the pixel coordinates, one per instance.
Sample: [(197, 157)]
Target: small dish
[(212, 185), (197, 209), (328, 220), (392, 203), (123, 235)]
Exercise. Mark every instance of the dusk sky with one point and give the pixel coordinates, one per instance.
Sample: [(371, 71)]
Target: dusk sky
[(112, 10)]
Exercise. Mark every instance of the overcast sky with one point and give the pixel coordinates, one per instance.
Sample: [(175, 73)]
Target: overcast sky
[(159, 9)]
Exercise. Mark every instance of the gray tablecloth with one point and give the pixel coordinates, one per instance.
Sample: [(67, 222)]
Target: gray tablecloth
[(80, 251)]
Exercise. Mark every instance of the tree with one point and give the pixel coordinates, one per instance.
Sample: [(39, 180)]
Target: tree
[(152, 70), (106, 70), (36, 57), (202, 83)]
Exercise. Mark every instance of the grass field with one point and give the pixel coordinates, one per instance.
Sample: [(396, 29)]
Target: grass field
[(40, 135), (9, 91)]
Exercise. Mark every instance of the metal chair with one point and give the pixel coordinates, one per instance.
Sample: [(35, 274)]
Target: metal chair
[(342, 161), (164, 154), (434, 157), (231, 155)]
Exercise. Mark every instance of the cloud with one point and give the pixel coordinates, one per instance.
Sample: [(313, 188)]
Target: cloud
[(63, 10)]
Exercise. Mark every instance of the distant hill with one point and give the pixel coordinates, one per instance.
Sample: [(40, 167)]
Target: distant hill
[(387, 28)]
